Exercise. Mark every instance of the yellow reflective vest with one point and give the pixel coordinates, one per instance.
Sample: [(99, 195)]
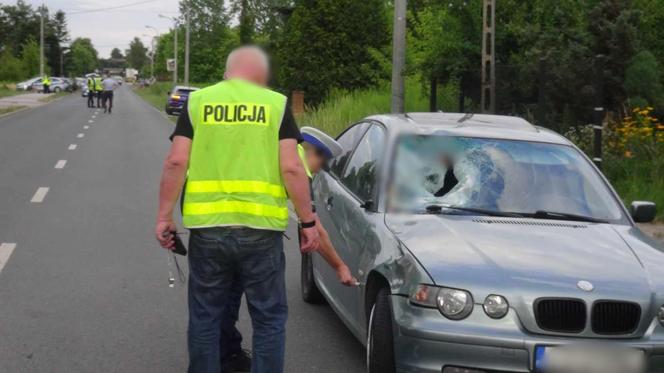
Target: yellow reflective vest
[(234, 177)]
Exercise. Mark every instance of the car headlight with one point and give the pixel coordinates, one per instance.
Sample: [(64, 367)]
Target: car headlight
[(660, 315), (455, 304), (496, 306)]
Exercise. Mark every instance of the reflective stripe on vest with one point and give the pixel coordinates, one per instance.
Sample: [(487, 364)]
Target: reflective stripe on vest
[(234, 176), (303, 157)]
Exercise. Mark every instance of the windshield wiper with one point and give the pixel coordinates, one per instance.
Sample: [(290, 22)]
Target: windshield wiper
[(544, 214), (435, 209)]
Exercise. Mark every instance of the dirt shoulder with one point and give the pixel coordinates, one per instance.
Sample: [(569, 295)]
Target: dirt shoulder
[(655, 230)]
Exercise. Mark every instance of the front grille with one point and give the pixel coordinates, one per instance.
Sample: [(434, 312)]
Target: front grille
[(613, 318), (561, 315)]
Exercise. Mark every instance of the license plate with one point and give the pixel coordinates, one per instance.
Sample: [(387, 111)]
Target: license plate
[(588, 359)]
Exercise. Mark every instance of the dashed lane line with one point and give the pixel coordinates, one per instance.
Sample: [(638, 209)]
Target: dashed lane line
[(80, 135), (61, 164), (86, 127), (72, 147), (6, 250), (40, 194), (91, 121)]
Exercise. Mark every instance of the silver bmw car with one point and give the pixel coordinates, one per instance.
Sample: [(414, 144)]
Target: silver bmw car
[(485, 244)]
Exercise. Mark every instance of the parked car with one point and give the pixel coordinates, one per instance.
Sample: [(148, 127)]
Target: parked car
[(57, 85), (176, 99), (26, 85), (118, 79), (485, 244)]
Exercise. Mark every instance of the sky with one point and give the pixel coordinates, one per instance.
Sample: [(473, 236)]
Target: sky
[(113, 28)]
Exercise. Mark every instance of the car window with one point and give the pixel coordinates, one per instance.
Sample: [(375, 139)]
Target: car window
[(361, 173), (347, 140)]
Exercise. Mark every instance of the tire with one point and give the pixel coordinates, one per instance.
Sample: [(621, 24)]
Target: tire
[(169, 112), (380, 341), (56, 89), (310, 292)]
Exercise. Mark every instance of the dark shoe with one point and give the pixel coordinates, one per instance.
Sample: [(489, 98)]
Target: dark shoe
[(238, 363)]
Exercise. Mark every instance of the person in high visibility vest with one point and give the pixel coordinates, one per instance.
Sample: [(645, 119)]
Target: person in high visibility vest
[(91, 91), (236, 144), (315, 151), (98, 90), (46, 83)]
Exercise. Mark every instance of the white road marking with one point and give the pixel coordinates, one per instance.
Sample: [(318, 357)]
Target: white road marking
[(86, 127), (72, 147), (80, 135), (6, 250), (40, 194), (91, 121), (94, 116), (61, 163)]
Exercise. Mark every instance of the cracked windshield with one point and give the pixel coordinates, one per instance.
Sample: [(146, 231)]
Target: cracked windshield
[(498, 176)]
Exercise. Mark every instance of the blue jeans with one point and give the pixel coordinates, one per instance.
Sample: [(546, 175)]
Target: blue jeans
[(218, 257)]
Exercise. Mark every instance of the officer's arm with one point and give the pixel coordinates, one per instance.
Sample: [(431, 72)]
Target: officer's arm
[(295, 179), (173, 176)]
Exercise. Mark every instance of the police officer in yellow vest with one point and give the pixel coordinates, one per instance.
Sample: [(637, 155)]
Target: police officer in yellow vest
[(46, 83), (236, 143), (91, 91), (98, 90)]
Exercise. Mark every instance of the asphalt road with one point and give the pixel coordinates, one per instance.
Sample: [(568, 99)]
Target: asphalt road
[(83, 285)]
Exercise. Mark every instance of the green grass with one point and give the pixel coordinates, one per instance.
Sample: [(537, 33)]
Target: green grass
[(637, 180), (8, 89), (344, 108), (10, 109), (54, 96)]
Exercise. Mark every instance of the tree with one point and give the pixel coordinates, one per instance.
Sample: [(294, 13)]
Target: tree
[(84, 58), (643, 79), (116, 54), (346, 32), (137, 54), (30, 58), (11, 70)]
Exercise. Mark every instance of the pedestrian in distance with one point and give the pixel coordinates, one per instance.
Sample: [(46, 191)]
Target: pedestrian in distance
[(236, 143), (108, 85), (91, 91)]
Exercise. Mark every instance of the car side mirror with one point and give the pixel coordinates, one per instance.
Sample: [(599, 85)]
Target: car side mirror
[(367, 205), (643, 211)]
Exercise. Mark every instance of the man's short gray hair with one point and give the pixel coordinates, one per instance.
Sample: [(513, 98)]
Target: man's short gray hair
[(253, 50)]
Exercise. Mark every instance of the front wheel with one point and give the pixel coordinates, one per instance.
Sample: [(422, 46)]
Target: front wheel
[(56, 89), (380, 341), (310, 292)]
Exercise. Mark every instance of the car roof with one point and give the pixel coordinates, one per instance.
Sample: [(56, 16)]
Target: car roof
[(469, 125), (184, 88)]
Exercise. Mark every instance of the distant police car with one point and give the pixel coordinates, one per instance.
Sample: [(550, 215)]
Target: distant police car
[(486, 244)]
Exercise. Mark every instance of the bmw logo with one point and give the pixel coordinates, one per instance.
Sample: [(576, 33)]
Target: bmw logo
[(585, 286)]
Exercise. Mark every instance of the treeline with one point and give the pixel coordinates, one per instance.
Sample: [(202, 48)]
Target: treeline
[(546, 50), (19, 44)]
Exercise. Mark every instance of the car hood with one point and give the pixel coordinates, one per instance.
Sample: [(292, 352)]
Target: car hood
[(527, 258)]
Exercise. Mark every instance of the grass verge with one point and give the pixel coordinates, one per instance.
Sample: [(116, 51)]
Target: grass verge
[(54, 96), (9, 89), (10, 109)]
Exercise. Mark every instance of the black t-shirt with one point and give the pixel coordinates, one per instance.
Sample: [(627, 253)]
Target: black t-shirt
[(287, 130)]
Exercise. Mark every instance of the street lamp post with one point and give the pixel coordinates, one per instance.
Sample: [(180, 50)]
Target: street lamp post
[(175, 46), (186, 48), (152, 47), (62, 60)]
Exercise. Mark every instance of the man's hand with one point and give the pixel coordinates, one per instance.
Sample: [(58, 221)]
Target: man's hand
[(164, 235), (345, 277), (310, 240)]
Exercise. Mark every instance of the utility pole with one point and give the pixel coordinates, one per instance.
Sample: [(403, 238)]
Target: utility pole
[(186, 47), (41, 41), (488, 57), (398, 56)]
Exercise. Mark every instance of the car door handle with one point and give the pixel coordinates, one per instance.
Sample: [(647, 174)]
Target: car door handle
[(328, 203)]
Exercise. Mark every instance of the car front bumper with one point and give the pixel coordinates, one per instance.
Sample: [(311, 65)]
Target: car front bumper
[(425, 341)]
